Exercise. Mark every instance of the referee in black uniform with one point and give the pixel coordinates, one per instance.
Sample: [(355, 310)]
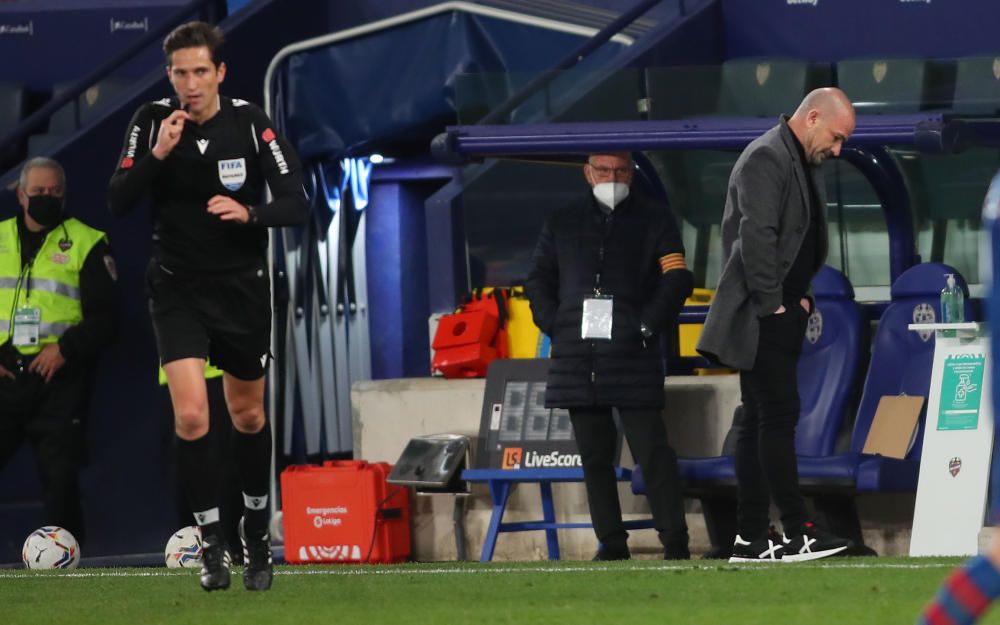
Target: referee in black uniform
[(205, 159)]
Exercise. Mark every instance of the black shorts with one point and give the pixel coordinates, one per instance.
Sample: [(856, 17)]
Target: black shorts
[(225, 319)]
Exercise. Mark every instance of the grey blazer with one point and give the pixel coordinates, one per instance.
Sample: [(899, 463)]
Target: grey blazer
[(766, 219)]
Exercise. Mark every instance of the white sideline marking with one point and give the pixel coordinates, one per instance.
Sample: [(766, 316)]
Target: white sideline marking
[(337, 570)]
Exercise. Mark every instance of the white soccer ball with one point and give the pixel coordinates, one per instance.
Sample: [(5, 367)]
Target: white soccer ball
[(184, 548), (50, 547)]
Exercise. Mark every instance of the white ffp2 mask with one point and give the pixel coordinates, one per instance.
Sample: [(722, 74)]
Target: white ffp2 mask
[(611, 194)]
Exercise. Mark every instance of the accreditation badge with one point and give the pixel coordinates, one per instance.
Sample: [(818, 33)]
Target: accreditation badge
[(27, 322), (233, 173), (597, 317)]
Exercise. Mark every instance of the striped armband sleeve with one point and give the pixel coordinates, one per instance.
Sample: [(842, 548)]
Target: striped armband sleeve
[(672, 261)]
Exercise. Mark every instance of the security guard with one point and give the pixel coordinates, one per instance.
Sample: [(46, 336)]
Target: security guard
[(57, 292)]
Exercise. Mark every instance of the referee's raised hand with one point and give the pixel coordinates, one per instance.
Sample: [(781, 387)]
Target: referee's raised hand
[(169, 134)]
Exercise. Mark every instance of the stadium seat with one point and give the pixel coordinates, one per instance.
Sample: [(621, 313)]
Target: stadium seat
[(614, 98), (12, 106), (877, 86), (977, 86), (831, 363), (751, 87), (63, 121), (952, 186), (476, 94), (39, 145), (96, 99), (767, 87), (88, 105), (900, 364), (699, 85), (942, 187)]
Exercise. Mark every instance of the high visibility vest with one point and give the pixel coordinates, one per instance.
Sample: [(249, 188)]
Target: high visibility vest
[(51, 283)]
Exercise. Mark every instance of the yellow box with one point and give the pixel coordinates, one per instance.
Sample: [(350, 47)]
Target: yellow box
[(688, 333), (522, 333)]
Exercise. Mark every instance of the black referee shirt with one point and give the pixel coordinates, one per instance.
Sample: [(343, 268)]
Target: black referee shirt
[(235, 153)]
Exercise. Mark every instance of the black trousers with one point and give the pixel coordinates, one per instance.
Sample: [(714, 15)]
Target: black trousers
[(766, 467), (596, 438), (50, 418)]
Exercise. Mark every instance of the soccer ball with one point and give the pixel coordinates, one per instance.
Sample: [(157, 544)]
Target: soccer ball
[(50, 547), (184, 548)]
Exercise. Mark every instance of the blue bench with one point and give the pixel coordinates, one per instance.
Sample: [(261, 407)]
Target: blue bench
[(502, 481)]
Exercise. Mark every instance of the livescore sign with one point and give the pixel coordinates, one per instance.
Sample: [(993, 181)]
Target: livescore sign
[(516, 430), (59, 41)]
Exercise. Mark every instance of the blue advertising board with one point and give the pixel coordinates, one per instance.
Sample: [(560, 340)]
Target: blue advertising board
[(833, 30), (22, 6), (48, 42)]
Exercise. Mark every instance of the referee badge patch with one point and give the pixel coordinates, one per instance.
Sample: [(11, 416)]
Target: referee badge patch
[(233, 173)]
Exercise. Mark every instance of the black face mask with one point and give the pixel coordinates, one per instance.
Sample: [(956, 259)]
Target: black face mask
[(47, 210)]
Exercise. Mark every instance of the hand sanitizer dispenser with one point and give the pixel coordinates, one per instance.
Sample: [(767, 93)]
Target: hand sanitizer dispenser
[(952, 302)]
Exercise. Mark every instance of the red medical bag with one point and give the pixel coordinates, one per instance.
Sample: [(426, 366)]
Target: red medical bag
[(467, 341), (344, 511)]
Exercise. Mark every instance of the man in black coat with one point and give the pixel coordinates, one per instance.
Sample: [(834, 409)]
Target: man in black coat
[(609, 275)]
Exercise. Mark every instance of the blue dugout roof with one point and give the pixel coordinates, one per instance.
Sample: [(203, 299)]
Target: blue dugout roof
[(927, 132)]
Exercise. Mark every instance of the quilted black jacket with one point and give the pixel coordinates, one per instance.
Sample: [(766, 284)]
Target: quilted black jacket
[(625, 370)]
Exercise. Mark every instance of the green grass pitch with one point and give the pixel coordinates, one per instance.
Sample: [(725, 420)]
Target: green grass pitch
[(839, 591)]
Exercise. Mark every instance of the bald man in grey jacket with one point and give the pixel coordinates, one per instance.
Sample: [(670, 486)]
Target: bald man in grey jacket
[(774, 241)]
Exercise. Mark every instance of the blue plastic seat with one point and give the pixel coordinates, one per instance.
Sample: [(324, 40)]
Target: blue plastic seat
[(900, 364)]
